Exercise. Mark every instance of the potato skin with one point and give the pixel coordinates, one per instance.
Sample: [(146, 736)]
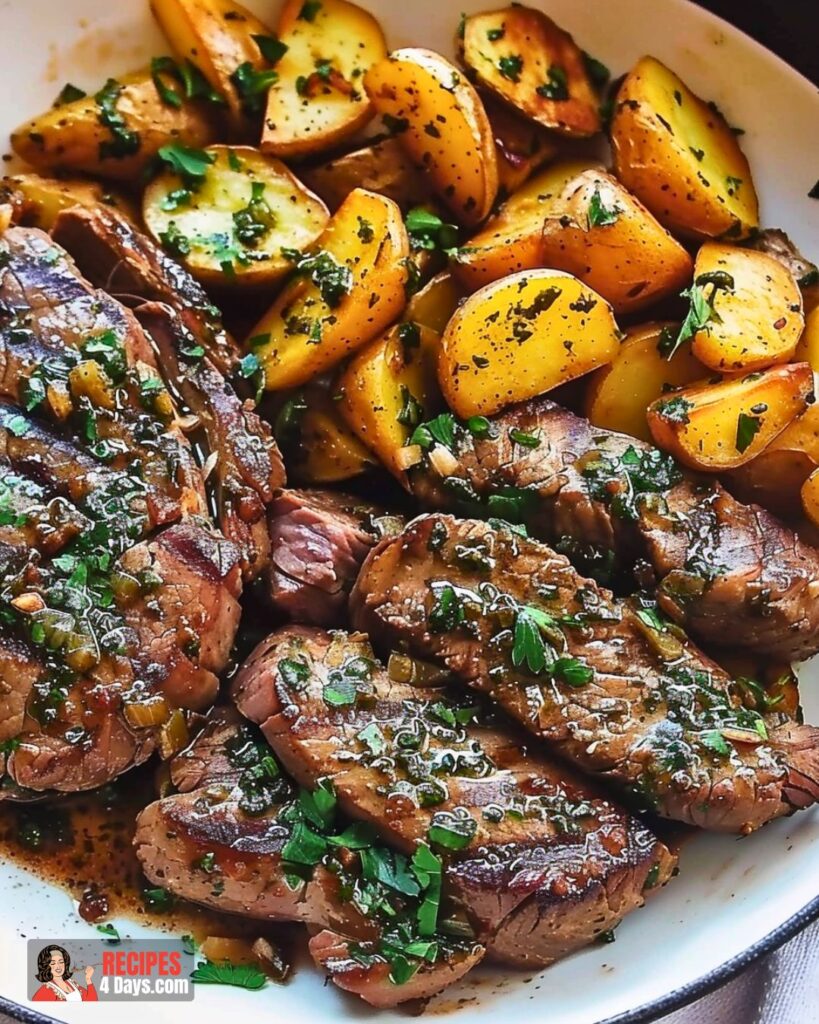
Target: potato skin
[(71, 137), (520, 337), (512, 240), (217, 37), (435, 303), (521, 145), (808, 348), (421, 91), (706, 426), (305, 333), (296, 217), (810, 497), (759, 318), (619, 394), (680, 158), (514, 52), (382, 380), (383, 167), (632, 262), (304, 118)]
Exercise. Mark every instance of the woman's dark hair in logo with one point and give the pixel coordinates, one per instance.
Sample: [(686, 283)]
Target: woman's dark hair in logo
[(44, 963)]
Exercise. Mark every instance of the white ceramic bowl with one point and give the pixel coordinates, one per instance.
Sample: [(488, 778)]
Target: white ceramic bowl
[(733, 898)]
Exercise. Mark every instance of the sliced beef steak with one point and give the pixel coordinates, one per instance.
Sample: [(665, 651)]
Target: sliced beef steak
[(220, 842), (319, 540), (200, 362), (608, 684), (534, 860), (729, 573)]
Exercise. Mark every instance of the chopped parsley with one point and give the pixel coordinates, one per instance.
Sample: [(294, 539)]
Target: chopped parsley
[(252, 85), (123, 142), (309, 10), (598, 73), (426, 230), (271, 48), (701, 310), (190, 164), (600, 215), (226, 973), (69, 94), (510, 67), (441, 429), (334, 280), (747, 429), (556, 86)]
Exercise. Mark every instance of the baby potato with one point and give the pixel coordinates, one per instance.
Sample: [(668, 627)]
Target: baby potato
[(523, 57), (758, 309), (521, 145), (435, 303), (220, 38), (383, 167), (37, 201), (232, 228), (319, 446), (620, 393), (442, 125), (522, 336), (810, 497), (600, 233), (512, 240), (808, 348), (774, 478), (678, 155), (389, 387), (718, 426), (114, 134), (318, 99), (344, 292)]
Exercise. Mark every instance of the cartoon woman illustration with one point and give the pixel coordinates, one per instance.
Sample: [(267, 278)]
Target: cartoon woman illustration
[(54, 970)]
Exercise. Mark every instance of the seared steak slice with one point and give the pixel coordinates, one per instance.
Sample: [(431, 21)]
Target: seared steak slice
[(220, 842), (319, 540), (538, 863), (248, 470), (86, 684), (117, 257), (608, 684), (729, 573), (80, 359)]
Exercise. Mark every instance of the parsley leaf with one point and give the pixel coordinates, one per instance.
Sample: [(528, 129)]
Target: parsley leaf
[(510, 67), (426, 230), (700, 310), (747, 429), (557, 85), (271, 48), (225, 973), (453, 830), (68, 94), (598, 214), (189, 163)]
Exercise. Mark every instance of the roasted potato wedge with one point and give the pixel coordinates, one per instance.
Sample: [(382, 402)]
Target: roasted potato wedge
[(383, 167), (521, 145), (233, 227), (114, 134), (389, 387), (776, 243), (220, 38), (678, 155), (810, 498), (512, 240), (522, 336), (718, 426), (435, 303), (37, 201), (442, 125), (319, 446), (348, 289), (620, 393), (318, 99), (603, 235), (775, 477), (808, 347), (757, 305), (532, 64)]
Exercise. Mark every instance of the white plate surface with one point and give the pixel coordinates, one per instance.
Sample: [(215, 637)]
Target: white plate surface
[(731, 893)]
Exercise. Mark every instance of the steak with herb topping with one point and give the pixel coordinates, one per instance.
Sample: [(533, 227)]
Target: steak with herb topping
[(319, 540), (535, 863), (110, 626), (221, 839), (201, 363), (731, 574), (608, 684)]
